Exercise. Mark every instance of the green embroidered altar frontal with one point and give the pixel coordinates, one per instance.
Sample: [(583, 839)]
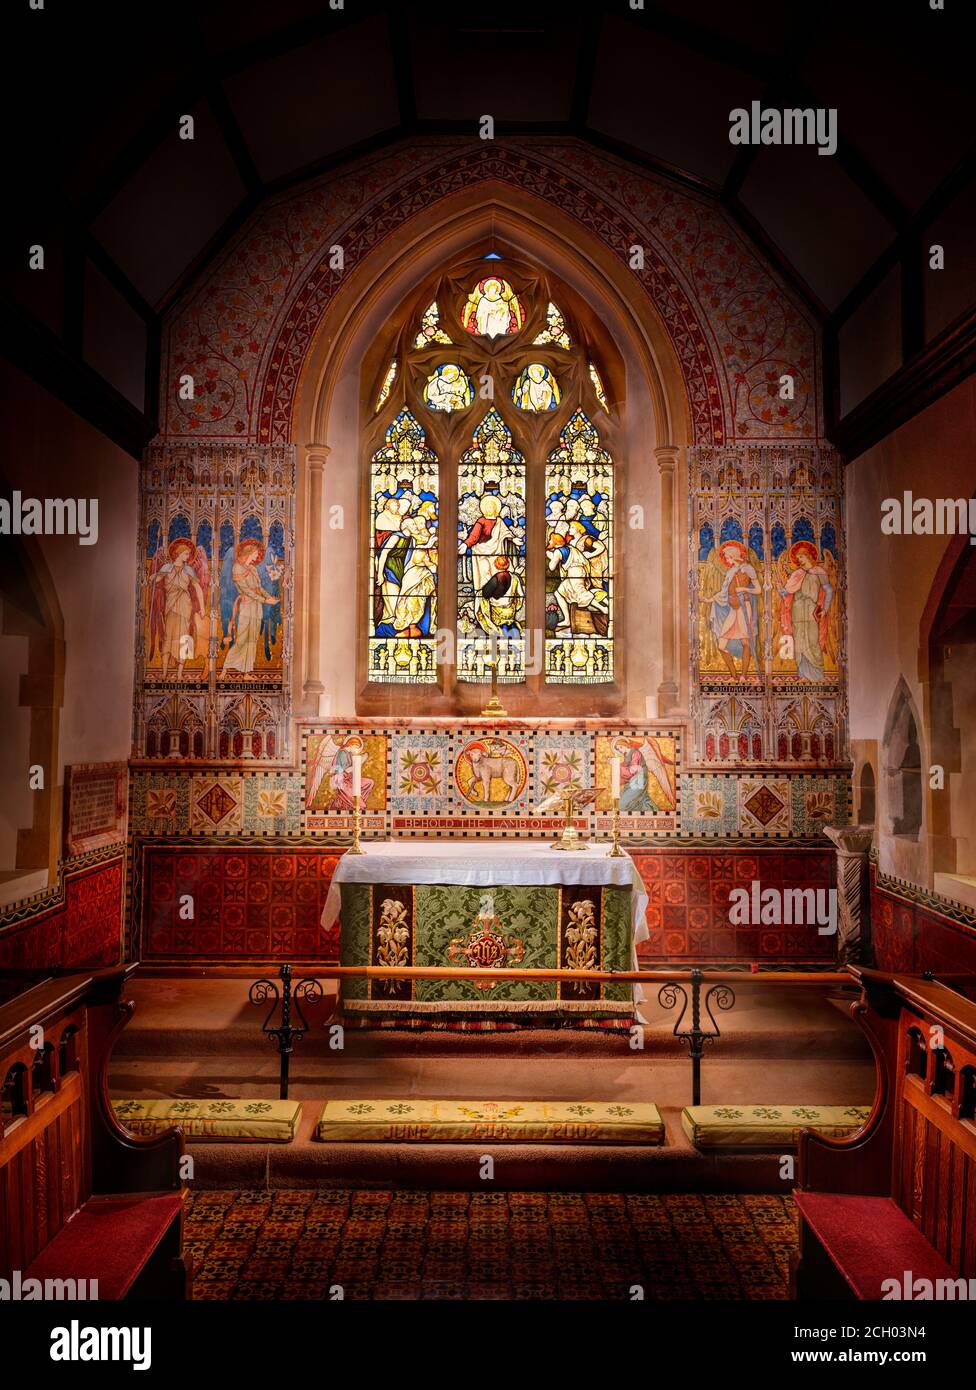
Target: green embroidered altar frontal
[(575, 927)]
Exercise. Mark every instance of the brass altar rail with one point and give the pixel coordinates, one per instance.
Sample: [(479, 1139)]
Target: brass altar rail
[(279, 1027), (609, 977)]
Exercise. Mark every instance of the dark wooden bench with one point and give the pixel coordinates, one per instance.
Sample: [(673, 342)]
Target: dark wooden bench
[(80, 1198), (897, 1202)]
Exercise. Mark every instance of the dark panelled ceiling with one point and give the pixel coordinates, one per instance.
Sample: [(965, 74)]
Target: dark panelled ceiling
[(280, 90)]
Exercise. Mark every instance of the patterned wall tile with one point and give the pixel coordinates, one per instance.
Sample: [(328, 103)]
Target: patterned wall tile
[(765, 805), (272, 803), (421, 773), (818, 801), (159, 803), (709, 805), (561, 761), (216, 805)]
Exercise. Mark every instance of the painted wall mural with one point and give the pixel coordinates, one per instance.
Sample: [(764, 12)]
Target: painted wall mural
[(245, 328), (215, 603), (768, 605)]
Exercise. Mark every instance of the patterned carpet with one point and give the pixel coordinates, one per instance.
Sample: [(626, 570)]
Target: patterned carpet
[(293, 1244)]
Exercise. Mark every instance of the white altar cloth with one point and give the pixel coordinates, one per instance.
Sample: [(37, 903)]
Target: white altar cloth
[(487, 864)]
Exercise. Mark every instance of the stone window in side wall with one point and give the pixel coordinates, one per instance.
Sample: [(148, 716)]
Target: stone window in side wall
[(902, 761)]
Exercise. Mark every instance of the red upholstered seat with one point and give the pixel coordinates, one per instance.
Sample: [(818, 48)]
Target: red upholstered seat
[(869, 1240), (109, 1239)]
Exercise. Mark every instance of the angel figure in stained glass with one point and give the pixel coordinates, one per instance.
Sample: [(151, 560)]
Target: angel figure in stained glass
[(448, 388), (536, 388), (492, 309)]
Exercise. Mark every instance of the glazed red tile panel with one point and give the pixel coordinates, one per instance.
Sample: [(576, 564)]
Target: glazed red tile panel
[(85, 930), (910, 937), (688, 911), (235, 904)]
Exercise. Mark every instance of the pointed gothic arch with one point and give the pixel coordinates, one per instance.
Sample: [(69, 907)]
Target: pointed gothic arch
[(339, 382)]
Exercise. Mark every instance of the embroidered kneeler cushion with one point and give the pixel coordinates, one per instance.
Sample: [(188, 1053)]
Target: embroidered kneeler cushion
[(767, 1126), (509, 1121), (245, 1121)]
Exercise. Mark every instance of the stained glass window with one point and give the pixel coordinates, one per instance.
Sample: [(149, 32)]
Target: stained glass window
[(536, 388), (491, 555), (388, 381), (448, 388), (492, 309), (601, 395), (430, 330), (540, 610), (403, 556), (555, 329), (579, 558)]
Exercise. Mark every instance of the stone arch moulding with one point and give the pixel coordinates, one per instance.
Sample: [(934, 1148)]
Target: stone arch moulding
[(329, 399)]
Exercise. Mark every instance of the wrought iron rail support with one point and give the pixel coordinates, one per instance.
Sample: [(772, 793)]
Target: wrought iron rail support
[(285, 1033), (723, 997)]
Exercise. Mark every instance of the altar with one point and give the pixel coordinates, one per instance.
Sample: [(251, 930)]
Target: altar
[(487, 904)]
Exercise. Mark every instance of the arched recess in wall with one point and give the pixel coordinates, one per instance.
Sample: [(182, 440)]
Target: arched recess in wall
[(332, 581), (31, 695), (949, 637), (866, 796), (901, 762)]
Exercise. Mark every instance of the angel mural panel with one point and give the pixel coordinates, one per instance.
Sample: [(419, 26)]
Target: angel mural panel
[(648, 773), (177, 607), (731, 603), (329, 773), (808, 611), (250, 604)]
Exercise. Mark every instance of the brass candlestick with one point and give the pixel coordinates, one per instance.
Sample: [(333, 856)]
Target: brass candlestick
[(616, 852), (494, 708), (355, 847), (570, 837)]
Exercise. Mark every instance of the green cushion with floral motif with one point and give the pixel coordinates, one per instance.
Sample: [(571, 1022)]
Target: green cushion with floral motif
[(767, 1126), (508, 1121), (209, 1121)]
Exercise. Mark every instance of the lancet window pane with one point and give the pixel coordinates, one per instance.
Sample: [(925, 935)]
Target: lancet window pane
[(403, 557), (388, 381), (579, 558), (491, 556)]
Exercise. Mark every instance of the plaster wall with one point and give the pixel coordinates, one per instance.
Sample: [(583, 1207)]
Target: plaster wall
[(890, 579)]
